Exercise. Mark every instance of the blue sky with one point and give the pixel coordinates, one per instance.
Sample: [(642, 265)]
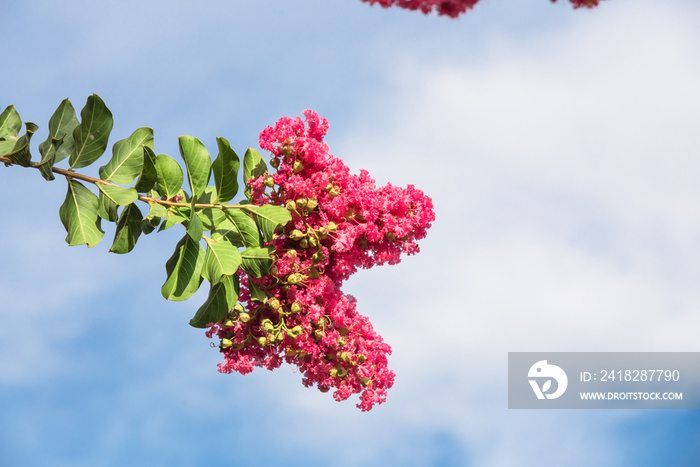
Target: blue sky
[(559, 146)]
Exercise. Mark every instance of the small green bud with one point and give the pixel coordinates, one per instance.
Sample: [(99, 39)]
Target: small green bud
[(274, 162), (313, 273), (312, 203), (267, 325), (294, 278), (332, 226), (262, 341), (361, 358), (345, 356), (296, 307), (301, 203), (295, 331), (229, 323), (269, 181), (244, 317), (304, 243), (313, 241), (365, 381), (297, 167), (317, 257), (334, 372), (226, 343), (333, 192), (318, 334), (342, 341), (273, 303), (238, 308), (291, 205), (297, 234)]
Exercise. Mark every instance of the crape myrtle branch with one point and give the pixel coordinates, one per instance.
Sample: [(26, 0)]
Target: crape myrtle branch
[(148, 199), (275, 261)]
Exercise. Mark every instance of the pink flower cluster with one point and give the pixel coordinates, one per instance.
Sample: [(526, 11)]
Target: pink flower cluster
[(340, 222), (454, 8)]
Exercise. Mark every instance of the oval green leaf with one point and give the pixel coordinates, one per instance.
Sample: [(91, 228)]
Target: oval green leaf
[(92, 134)]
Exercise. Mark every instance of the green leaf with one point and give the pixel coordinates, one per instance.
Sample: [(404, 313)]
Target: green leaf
[(222, 297), (78, 214), (127, 157), (20, 153), (112, 196), (169, 176), (128, 230), (239, 228), (198, 163), (222, 259), (148, 176), (156, 210), (120, 196), (256, 261), (10, 124), (225, 168), (194, 226), (149, 225), (253, 167), (61, 126), (211, 218), (268, 217), (256, 293), (184, 269), (49, 159), (107, 208), (92, 134)]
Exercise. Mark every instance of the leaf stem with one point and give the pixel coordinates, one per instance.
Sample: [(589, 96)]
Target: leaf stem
[(147, 199)]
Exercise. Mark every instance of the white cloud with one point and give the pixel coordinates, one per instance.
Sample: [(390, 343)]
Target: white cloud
[(564, 172)]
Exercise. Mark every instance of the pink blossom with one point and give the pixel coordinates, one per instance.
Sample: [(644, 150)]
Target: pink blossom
[(340, 222), (453, 8)]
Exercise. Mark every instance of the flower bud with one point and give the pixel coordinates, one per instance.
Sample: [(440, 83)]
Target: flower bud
[(295, 278), (273, 303), (267, 325), (238, 308), (313, 241), (269, 181), (301, 203), (313, 273), (244, 317), (229, 323), (262, 341), (291, 205), (297, 234), (342, 341), (318, 334), (345, 356), (332, 226), (297, 167), (295, 331), (226, 343), (274, 162), (334, 192), (333, 372), (361, 358), (296, 307), (365, 381), (304, 243), (317, 257), (311, 205)]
